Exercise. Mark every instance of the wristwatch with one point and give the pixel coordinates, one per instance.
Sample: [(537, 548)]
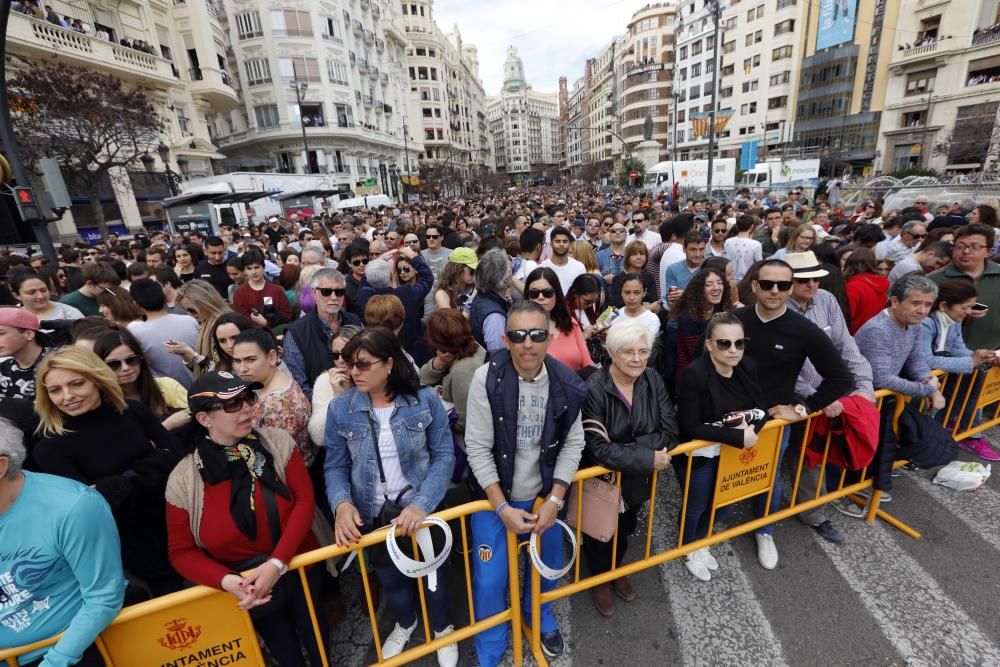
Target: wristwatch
[(281, 567), (558, 502), (801, 410)]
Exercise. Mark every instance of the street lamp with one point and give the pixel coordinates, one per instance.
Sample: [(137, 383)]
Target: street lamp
[(171, 177), (300, 88), (716, 7)]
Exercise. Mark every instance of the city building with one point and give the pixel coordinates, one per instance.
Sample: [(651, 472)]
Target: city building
[(646, 73), (762, 47), (694, 44), (324, 91), (943, 89), (446, 104), (524, 125), (177, 51), (603, 116), (843, 81), (577, 142)]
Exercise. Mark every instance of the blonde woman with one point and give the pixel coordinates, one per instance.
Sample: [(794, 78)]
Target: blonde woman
[(91, 433), (201, 301), (583, 252)]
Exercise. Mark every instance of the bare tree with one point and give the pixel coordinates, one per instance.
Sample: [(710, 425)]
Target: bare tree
[(975, 137), (90, 122)]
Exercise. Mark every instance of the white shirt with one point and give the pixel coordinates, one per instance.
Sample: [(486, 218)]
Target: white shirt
[(395, 480), (527, 266), (649, 237), (646, 318), (566, 273)]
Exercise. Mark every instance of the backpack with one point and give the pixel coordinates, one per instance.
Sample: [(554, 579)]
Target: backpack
[(923, 440)]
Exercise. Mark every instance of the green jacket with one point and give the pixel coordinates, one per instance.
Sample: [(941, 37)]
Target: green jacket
[(984, 333)]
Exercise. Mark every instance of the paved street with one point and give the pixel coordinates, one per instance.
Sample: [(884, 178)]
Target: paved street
[(880, 599)]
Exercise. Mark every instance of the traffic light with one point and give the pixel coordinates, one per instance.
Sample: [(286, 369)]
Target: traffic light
[(26, 204)]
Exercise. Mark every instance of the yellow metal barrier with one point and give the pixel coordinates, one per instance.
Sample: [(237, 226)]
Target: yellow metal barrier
[(205, 621), (961, 391), (172, 620)]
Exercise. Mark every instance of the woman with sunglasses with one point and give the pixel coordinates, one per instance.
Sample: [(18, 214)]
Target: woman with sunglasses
[(281, 403), (389, 423), (706, 294), (332, 383), (714, 394), (629, 425), (242, 500), (353, 265), (566, 342), (91, 433), (867, 290), (164, 396), (405, 273)]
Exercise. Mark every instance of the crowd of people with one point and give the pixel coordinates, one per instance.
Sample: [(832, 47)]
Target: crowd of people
[(182, 408)]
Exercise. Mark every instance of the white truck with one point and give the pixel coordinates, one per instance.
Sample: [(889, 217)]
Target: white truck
[(788, 172), (690, 174)]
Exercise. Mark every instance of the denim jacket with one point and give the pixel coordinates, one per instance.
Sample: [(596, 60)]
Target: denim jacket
[(423, 440)]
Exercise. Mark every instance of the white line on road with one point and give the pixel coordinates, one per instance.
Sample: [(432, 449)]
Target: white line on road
[(910, 608), (976, 509)]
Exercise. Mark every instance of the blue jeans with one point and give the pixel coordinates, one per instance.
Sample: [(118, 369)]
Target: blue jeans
[(490, 579), (759, 502), (699, 497)]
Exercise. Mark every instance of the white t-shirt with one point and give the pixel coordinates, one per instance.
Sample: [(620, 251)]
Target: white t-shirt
[(395, 480), (743, 253), (566, 273), (646, 318), (649, 237), (527, 266)]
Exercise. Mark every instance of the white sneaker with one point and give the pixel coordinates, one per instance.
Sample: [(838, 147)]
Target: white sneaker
[(696, 567), (708, 559), (767, 553), (396, 641), (447, 656)]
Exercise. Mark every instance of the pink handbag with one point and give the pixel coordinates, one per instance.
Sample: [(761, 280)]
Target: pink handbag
[(602, 503)]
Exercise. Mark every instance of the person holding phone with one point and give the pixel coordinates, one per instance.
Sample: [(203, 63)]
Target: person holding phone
[(715, 393)]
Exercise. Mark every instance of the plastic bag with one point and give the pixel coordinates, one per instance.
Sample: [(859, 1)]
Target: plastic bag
[(963, 475)]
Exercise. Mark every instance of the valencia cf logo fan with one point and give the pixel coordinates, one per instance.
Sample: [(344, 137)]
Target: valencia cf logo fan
[(485, 553), (180, 634)]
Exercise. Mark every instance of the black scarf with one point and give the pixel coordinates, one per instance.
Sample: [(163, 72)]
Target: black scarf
[(243, 464)]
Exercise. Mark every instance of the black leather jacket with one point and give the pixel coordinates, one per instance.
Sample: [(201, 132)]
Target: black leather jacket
[(621, 440)]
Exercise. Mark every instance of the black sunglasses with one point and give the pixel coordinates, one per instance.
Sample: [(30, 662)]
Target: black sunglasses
[(725, 343), (335, 356), (327, 291), (362, 365), (533, 293), (431, 237), (517, 336), (768, 285), (404, 269), (359, 261), (235, 404), (118, 364), (806, 281)]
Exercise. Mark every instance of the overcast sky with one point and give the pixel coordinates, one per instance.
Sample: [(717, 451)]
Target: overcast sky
[(554, 38)]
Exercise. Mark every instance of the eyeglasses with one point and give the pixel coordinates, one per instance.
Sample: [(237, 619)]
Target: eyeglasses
[(719, 230), (638, 219), (806, 281), (392, 238), (327, 291), (725, 343), (362, 365), (235, 404), (404, 269), (431, 237), (971, 247), (117, 364), (620, 230), (635, 354), (359, 261), (413, 242), (768, 285), (533, 293), (335, 356), (916, 236), (518, 336)]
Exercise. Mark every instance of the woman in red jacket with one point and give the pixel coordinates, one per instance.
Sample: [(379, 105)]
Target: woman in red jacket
[(242, 500), (867, 291)]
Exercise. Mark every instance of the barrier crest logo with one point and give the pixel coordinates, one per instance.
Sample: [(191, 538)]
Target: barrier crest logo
[(748, 455), (179, 634)]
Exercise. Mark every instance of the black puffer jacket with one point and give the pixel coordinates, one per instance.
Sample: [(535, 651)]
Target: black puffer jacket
[(621, 440)]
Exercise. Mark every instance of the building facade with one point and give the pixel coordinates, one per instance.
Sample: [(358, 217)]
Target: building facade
[(177, 51), (524, 125), (942, 89), (646, 74), (694, 35), (324, 92)]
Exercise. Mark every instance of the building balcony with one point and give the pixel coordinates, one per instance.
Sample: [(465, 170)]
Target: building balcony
[(366, 4), (368, 101), (333, 38), (369, 37), (379, 106), (215, 87), (359, 29), (913, 51), (373, 72), (385, 79), (380, 44), (40, 39), (362, 65), (388, 109), (376, 12), (354, 59), (986, 37)]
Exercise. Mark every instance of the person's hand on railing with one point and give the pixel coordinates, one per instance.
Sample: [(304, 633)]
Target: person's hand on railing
[(834, 409), (933, 382), (661, 459), (346, 524), (937, 400), (259, 583), (409, 520), (785, 412), (518, 521), (545, 518), (984, 358), (749, 436)]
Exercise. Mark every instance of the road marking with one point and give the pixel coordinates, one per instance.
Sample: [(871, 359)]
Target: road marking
[(910, 608), (721, 617), (978, 510)]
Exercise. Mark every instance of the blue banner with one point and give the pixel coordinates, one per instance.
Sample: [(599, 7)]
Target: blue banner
[(748, 155), (836, 22)]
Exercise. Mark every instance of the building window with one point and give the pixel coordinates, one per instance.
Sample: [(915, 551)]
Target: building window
[(727, 70), (729, 47), (288, 22), (248, 25), (345, 115), (750, 86), (299, 69), (337, 71), (726, 92), (781, 53), (266, 115), (730, 23), (695, 70), (748, 108), (696, 48), (760, 11), (784, 27), (183, 121), (683, 53), (919, 83), (913, 118), (785, 3), (780, 102), (258, 71), (782, 77), (332, 32)]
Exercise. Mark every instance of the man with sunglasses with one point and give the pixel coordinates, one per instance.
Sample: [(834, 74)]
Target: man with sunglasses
[(641, 233), (60, 561), (906, 243), (435, 256), (611, 259), (780, 342), (307, 339), (524, 440), (822, 309)]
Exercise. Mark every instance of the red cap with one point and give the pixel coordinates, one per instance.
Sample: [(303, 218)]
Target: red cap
[(18, 318)]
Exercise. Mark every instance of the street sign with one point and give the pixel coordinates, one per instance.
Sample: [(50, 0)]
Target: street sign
[(370, 182), (26, 204), (633, 174)]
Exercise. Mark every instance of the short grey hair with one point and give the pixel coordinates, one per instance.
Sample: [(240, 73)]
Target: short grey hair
[(378, 248), (492, 271), (912, 224), (312, 250), (379, 273), (626, 333), (913, 282), (12, 446), (333, 275)]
